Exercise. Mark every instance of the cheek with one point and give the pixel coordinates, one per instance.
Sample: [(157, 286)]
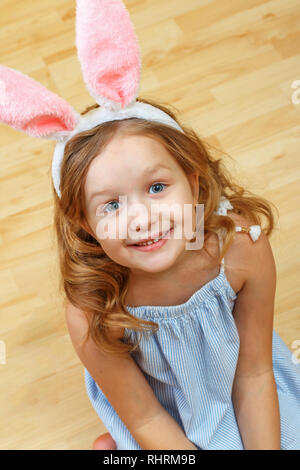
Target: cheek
[(182, 195), (110, 235), (109, 229), (183, 202), (113, 249)]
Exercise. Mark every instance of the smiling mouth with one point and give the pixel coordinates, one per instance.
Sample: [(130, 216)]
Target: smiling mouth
[(151, 241)]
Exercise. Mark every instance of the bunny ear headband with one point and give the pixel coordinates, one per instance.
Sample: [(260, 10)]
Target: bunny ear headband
[(110, 61)]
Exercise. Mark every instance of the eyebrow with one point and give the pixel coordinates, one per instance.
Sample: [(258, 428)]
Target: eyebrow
[(147, 171)]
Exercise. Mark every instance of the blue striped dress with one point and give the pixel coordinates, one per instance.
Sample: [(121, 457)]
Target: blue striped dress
[(190, 364)]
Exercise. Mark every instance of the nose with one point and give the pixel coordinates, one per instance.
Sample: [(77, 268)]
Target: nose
[(141, 218), (147, 219)]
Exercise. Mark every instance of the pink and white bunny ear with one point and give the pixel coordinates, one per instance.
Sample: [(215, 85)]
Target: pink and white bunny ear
[(108, 52), (28, 106)]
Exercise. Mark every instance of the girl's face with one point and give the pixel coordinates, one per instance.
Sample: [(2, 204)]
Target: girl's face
[(133, 191)]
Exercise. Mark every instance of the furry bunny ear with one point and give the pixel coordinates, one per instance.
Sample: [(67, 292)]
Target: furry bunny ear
[(108, 52), (28, 106)]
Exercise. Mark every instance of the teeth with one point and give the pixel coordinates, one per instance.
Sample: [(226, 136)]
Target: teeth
[(150, 242)]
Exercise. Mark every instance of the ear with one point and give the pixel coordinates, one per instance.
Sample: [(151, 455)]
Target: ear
[(108, 52), (28, 106)]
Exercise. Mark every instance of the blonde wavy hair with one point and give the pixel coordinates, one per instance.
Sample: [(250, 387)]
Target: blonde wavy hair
[(89, 279)]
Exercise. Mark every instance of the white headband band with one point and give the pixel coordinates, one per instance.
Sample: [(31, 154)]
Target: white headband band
[(99, 115)]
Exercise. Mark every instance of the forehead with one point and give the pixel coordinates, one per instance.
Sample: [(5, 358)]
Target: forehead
[(136, 148), (126, 156)]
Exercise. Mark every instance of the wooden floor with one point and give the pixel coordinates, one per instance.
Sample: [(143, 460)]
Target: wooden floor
[(228, 67)]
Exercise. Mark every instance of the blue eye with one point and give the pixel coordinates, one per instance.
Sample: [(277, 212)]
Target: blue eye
[(111, 202), (157, 184)]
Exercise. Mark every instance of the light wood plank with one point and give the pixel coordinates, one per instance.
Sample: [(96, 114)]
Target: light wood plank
[(228, 68)]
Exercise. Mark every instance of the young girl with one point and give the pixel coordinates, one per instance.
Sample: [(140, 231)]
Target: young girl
[(177, 342), (212, 373)]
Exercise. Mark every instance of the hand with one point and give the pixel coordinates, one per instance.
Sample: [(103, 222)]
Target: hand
[(104, 442)]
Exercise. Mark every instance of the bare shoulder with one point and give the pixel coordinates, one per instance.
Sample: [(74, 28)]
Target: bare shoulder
[(78, 323), (258, 255), (243, 254), (243, 241)]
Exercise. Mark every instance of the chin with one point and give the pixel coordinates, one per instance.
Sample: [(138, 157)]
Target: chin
[(157, 265)]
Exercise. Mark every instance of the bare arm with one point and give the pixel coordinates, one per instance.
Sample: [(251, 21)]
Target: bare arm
[(127, 390), (257, 409), (254, 391)]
